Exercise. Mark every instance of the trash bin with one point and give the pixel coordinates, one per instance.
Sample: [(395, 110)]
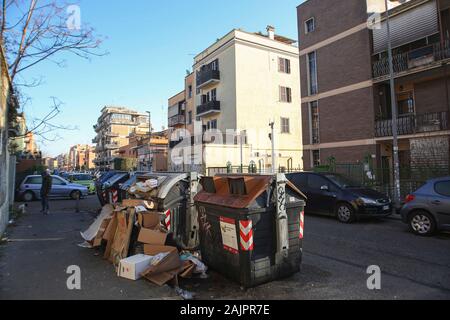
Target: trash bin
[(123, 190), (173, 197), (251, 227), (111, 187), (101, 193)]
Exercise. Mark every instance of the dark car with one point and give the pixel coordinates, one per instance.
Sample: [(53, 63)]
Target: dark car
[(335, 195), (428, 209)]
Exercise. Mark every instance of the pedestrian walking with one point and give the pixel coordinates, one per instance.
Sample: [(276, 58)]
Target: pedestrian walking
[(45, 191)]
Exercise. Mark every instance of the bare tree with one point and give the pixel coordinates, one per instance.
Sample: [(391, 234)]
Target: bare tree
[(34, 31)]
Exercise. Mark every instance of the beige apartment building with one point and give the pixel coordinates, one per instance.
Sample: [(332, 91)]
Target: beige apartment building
[(242, 83), (113, 129)]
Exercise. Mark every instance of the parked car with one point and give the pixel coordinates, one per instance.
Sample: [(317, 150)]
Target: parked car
[(335, 195), (30, 188), (84, 179), (428, 209)]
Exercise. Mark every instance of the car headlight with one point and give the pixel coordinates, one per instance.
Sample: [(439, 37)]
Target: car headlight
[(365, 201)]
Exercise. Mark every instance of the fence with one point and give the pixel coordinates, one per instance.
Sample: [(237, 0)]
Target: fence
[(380, 179)]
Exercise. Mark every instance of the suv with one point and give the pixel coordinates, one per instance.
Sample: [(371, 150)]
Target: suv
[(30, 189), (335, 195), (428, 209)]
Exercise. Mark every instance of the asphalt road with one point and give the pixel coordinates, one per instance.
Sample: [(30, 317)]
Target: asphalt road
[(34, 261)]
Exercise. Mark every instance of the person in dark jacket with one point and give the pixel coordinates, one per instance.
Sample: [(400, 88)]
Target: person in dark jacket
[(45, 191)]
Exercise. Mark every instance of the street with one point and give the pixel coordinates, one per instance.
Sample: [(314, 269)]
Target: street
[(39, 250)]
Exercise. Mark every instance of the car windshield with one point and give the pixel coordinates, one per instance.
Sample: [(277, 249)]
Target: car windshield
[(82, 177), (343, 182)]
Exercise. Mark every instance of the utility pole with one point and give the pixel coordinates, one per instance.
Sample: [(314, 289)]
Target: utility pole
[(150, 141), (272, 138), (397, 194)]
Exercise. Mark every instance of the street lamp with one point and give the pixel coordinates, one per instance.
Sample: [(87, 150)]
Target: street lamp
[(397, 191), (150, 141)]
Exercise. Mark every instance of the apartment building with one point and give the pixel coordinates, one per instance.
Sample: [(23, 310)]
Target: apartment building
[(346, 99), (113, 128), (241, 84), (81, 157)]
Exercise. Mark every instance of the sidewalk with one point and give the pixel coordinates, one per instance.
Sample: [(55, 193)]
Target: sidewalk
[(33, 263)]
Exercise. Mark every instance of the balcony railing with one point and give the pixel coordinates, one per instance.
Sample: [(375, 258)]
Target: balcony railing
[(413, 59), (206, 77), (112, 146), (177, 120), (208, 107), (412, 124)]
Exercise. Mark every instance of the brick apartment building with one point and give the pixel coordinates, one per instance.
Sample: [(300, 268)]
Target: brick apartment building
[(346, 108)]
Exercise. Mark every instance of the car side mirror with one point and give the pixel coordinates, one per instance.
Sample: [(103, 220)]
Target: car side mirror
[(324, 188)]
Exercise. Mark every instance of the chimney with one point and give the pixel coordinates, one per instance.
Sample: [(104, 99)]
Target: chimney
[(271, 32)]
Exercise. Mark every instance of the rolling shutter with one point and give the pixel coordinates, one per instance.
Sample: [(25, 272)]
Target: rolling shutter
[(409, 26)]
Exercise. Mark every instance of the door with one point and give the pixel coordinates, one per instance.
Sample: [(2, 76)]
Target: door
[(58, 188), (440, 204), (322, 196)]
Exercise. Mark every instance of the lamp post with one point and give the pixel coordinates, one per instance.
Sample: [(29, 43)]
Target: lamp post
[(272, 138), (150, 141), (397, 194)]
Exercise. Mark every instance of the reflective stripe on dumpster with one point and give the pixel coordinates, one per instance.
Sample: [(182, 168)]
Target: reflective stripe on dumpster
[(246, 235), (302, 224), (167, 219)]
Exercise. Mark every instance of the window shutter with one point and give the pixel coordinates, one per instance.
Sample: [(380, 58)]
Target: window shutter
[(288, 66), (289, 94)]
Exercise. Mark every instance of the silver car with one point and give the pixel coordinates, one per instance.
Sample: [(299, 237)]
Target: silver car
[(30, 189), (428, 209)]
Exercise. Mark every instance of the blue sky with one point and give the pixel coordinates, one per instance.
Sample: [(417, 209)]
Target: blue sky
[(151, 44)]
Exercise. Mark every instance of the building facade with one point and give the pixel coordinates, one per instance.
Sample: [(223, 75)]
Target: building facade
[(113, 128), (346, 99), (241, 84)]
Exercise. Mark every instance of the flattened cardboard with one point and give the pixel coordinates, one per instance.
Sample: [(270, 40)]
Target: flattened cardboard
[(161, 279), (109, 236), (119, 238), (148, 236), (131, 220), (170, 262), (98, 239)]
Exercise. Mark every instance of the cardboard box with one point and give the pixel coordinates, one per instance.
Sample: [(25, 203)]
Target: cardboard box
[(161, 279), (148, 236), (169, 263), (133, 267), (149, 220)]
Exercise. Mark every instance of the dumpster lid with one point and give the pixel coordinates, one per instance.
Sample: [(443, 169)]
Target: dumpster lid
[(115, 178), (238, 191)]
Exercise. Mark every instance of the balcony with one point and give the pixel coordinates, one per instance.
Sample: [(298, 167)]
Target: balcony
[(112, 146), (413, 124), (177, 121), (414, 60), (207, 108), (207, 77)]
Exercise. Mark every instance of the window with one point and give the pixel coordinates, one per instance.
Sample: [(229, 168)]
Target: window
[(310, 25), (316, 158), (215, 65), (314, 114), (34, 180), (190, 92), (210, 125), (285, 94), (213, 94), (285, 125), (312, 73), (316, 182), (190, 117), (443, 188), (57, 181), (284, 65)]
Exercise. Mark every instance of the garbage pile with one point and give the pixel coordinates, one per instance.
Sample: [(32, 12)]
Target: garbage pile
[(137, 241)]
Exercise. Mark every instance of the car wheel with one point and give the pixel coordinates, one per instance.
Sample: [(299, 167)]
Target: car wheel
[(422, 223), (28, 196), (75, 195), (345, 213)]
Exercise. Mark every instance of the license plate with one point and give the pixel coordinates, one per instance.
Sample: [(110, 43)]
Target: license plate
[(386, 208)]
